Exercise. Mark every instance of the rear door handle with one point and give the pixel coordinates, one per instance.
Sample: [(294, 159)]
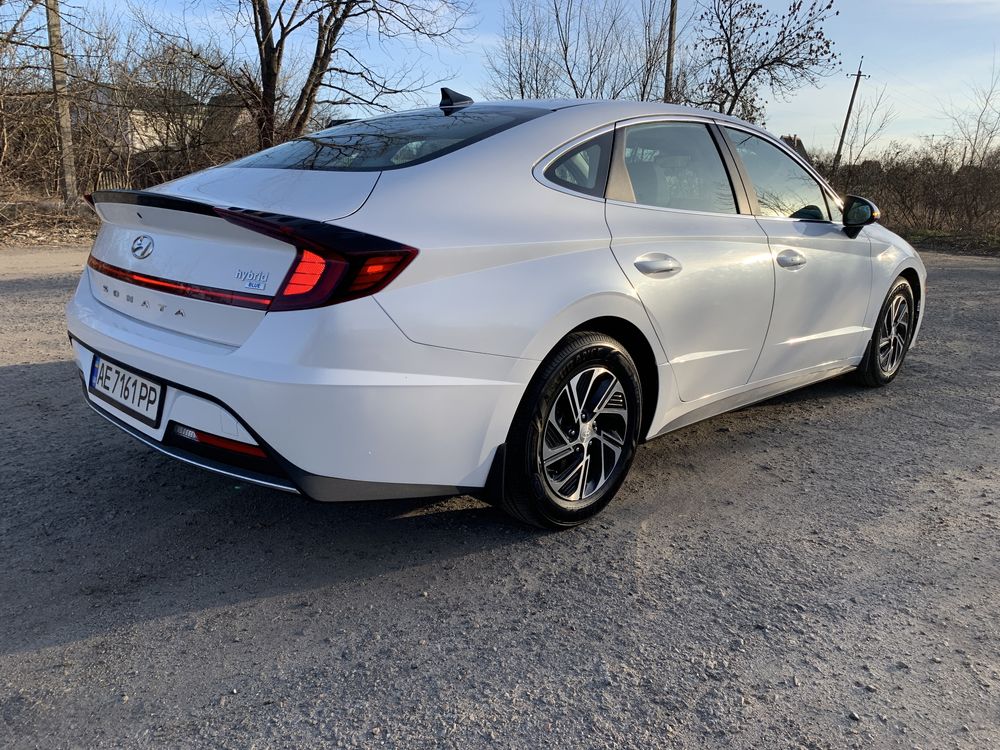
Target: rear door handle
[(658, 265), (791, 259)]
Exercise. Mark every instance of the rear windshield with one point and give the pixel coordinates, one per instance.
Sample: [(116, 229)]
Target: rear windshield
[(391, 141)]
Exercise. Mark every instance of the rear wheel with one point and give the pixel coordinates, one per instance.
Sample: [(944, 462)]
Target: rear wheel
[(575, 433), (891, 338)]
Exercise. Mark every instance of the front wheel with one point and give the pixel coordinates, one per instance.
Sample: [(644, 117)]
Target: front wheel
[(575, 433), (891, 338)]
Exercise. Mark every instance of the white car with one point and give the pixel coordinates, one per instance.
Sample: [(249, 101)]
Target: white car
[(500, 299)]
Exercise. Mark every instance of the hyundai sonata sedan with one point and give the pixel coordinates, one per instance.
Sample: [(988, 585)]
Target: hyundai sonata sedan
[(500, 299)]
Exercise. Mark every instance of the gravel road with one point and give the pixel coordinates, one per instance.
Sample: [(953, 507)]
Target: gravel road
[(818, 571)]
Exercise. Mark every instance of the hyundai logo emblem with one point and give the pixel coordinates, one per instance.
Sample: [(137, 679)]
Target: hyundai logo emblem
[(142, 246)]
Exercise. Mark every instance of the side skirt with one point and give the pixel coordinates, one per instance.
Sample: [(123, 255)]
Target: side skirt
[(752, 396)]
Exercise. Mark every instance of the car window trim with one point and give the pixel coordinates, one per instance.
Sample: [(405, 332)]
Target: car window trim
[(740, 196), (542, 165), (825, 189), (604, 166)]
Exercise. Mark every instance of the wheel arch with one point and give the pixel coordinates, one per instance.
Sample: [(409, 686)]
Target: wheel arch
[(644, 352), (910, 274), (641, 352), (614, 316)]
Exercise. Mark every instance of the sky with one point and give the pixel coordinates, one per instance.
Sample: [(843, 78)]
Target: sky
[(927, 53)]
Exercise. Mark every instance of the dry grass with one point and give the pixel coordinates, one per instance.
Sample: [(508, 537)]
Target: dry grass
[(954, 242), (31, 223)]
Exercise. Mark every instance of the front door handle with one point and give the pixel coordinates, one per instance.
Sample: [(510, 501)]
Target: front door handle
[(657, 264), (791, 259)]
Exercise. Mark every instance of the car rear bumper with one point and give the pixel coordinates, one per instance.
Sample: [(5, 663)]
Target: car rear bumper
[(344, 406), (290, 479)]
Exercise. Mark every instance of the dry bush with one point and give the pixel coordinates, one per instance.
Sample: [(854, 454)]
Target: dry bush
[(926, 192), (942, 190)]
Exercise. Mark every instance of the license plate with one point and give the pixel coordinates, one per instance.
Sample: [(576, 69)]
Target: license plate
[(133, 394)]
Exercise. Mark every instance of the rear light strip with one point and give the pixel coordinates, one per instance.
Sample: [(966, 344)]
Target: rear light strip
[(332, 264), (194, 291)]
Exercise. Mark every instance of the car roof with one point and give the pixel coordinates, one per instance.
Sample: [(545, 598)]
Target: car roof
[(616, 109)]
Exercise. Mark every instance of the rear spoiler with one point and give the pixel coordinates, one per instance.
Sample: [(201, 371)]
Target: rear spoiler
[(146, 198)]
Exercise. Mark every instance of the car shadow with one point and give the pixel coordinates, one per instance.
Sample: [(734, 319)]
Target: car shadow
[(99, 531)]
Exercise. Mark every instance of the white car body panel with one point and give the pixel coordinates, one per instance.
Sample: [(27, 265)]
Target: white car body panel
[(411, 391), (891, 257), (820, 306), (710, 317), (323, 196), (318, 403)]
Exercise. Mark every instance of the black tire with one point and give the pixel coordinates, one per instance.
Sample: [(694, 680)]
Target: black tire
[(529, 491), (876, 369)]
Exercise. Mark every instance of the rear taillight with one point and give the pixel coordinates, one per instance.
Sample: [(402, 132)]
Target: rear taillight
[(332, 264)]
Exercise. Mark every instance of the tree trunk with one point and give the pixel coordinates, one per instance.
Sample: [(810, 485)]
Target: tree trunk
[(60, 91)]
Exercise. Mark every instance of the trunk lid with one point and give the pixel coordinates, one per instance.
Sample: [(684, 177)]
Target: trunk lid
[(318, 195), (152, 244)]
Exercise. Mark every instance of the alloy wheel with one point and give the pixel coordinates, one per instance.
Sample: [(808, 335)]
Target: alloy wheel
[(584, 436), (894, 332)]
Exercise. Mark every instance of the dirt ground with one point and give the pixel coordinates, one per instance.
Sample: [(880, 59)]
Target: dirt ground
[(818, 571)]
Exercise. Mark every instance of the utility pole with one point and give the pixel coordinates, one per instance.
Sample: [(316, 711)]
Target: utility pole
[(60, 91), (668, 80), (857, 80)]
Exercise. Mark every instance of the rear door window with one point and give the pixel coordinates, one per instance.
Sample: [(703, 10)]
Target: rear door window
[(783, 187), (673, 165), (583, 169), (392, 141)]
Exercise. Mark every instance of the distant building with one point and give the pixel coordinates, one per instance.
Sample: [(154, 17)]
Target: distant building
[(136, 119), (796, 144), (223, 116)]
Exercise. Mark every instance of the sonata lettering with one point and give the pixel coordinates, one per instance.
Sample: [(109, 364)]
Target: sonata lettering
[(142, 303)]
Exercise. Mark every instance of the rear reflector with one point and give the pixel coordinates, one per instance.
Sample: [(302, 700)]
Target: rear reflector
[(217, 441), (194, 291), (375, 270)]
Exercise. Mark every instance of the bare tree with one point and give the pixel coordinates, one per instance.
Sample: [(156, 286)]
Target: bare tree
[(727, 51), (23, 40), (523, 66), (977, 124), (12, 25), (282, 89), (871, 118), (653, 59), (60, 93), (605, 49), (589, 38), (747, 48)]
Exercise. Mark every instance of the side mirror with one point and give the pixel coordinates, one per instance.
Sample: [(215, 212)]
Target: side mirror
[(859, 212)]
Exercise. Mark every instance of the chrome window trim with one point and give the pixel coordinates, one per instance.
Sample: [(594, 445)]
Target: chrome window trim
[(643, 119), (538, 171), (734, 215)]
